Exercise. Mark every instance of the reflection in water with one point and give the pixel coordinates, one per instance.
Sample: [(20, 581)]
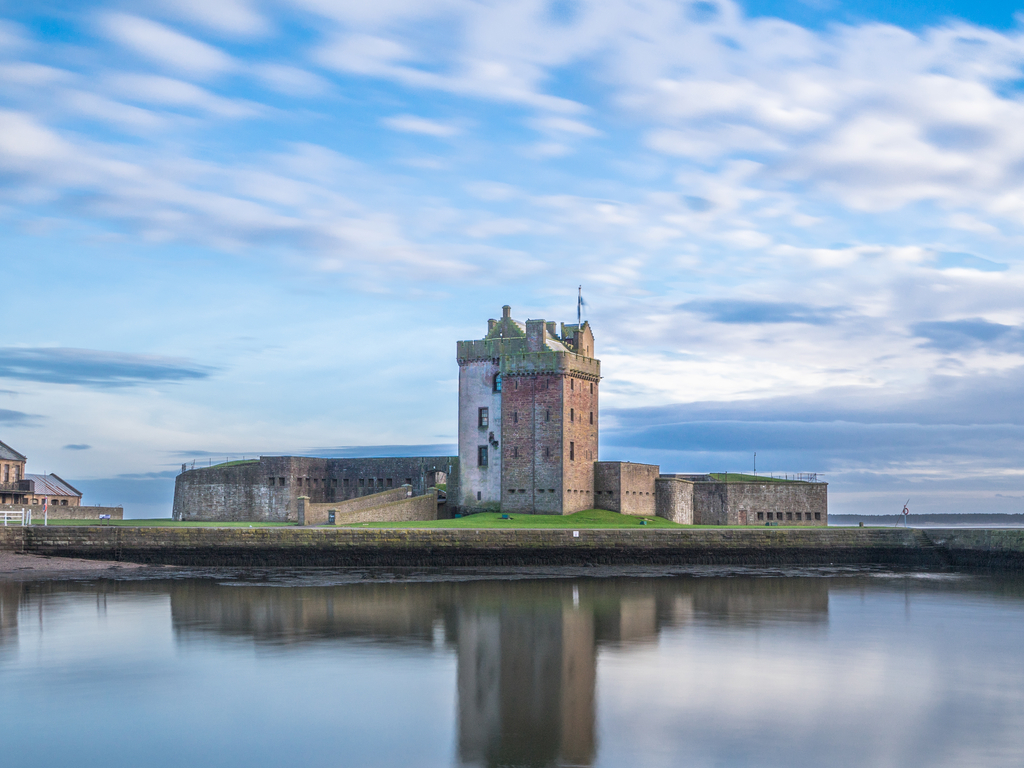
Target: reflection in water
[(527, 651), (710, 671)]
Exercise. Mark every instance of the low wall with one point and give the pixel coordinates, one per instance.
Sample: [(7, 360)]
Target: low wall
[(316, 513), (66, 513), (406, 509), (674, 500), (346, 547)]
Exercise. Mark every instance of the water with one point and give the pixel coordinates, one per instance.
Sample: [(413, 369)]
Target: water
[(671, 668)]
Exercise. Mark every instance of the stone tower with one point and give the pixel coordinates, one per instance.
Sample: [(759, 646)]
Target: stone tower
[(528, 417)]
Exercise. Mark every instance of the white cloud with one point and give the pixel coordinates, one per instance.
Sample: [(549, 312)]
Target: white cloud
[(178, 94), (421, 125), (235, 17), (166, 46), (291, 81)]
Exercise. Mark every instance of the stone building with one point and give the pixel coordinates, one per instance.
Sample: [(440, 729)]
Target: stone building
[(528, 417), (528, 426), (19, 487)]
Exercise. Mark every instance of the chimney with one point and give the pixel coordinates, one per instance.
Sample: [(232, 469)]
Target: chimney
[(551, 330), (535, 336), (491, 324), (506, 311)]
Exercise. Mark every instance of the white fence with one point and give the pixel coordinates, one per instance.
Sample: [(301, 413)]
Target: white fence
[(21, 517)]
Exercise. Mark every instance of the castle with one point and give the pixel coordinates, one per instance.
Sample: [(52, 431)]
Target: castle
[(528, 444)]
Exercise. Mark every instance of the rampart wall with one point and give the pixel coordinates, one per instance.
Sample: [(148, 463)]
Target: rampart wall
[(267, 490), (403, 510)]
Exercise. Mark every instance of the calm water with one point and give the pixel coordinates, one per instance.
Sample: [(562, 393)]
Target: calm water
[(398, 669)]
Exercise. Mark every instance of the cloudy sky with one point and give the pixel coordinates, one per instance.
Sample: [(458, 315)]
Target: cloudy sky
[(230, 228)]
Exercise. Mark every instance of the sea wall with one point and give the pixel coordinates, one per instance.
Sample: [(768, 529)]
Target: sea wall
[(343, 547), (66, 513)]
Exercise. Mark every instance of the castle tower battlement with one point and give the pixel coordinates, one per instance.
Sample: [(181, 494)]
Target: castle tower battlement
[(528, 417)]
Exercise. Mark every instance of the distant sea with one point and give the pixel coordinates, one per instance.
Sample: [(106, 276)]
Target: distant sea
[(932, 521)]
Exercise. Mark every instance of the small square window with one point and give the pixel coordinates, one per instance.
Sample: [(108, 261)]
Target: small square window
[(408, 481), (280, 481), (789, 515), (270, 481), (799, 516), (817, 515), (760, 515), (389, 483), (771, 516)]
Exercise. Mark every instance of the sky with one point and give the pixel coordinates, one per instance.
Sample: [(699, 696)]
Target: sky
[(240, 228)]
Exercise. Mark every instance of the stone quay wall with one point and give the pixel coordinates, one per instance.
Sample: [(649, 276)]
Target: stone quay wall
[(66, 513), (268, 490), (344, 547), (396, 506)]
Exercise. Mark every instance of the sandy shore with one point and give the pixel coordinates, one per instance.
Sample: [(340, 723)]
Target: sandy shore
[(16, 566)]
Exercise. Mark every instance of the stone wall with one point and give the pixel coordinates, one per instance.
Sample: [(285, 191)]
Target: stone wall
[(267, 490), (347, 547), (625, 487), (66, 513), (404, 510), (532, 449), (480, 485), (579, 446), (674, 500), (316, 514), (788, 503)]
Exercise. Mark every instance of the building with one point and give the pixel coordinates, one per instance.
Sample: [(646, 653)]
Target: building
[(528, 426), (528, 417), (19, 487), (268, 489)]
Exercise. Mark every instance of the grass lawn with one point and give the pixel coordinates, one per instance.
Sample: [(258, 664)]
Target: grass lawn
[(165, 522), (589, 518)]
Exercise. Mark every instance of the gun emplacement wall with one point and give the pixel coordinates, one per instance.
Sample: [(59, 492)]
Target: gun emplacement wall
[(267, 490)]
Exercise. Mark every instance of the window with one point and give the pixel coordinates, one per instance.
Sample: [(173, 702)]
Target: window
[(547, 415), (515, 417), (408, 481), (572, 451), (817, 515), (591, 387), (280, 481), (270, 481), (380, 482), (760, 515), (362, 482), (64, 502), (515, 452), (547, 452), (572, 383), (799, 516), (517, 383), (345, 482), (483, 417), (789, 515), (481, 456), (478, 495), (572, 414), (770, 516), (591, 417), (7, 473), (511, 490), (334, 482), (389, 482), (497, 383), (316, 483)]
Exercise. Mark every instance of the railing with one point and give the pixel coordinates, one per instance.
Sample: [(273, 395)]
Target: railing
[(22, 517), (18, 486)]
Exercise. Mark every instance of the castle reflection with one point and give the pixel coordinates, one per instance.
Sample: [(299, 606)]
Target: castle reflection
[(526, 650)]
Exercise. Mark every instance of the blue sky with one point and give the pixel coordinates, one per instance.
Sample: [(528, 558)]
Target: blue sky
[(259, 227)]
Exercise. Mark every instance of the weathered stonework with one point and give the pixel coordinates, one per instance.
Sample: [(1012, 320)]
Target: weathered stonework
[(540, 392), (268, 489), (627, 488)]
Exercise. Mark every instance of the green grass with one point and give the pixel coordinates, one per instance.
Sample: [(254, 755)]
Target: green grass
[(160, 522), (590, 518), (236, 463), (737, 477)]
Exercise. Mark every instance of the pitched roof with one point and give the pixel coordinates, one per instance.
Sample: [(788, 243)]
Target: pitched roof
[(8, 453), (51, 485)]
